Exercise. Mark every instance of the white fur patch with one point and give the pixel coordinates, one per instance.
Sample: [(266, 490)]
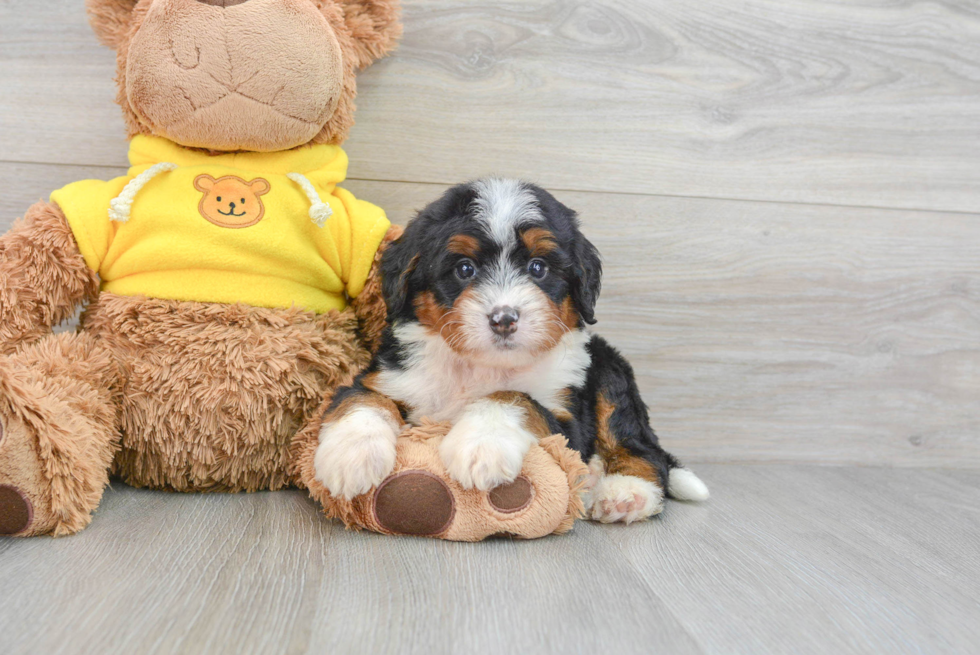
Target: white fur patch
[(439, 383), (613, 498), (356, 452), (487, 445), (684, 485), (502, 205), (565, 365)]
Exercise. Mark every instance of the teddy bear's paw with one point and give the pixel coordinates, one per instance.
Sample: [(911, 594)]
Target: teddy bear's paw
[(16, 508), (16, 511), (414, 502), (356, 452), (623, 498)]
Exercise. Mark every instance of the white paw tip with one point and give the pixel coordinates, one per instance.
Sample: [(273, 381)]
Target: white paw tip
[(481, 468), (624, 498), (684, 485), (355, 453)]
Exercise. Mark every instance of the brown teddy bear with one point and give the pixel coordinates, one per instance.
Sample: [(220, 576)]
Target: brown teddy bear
[(230, 284)]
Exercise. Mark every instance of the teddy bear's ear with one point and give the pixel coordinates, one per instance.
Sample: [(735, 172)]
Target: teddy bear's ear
[(259, 186), (374, 25), (204, 182), (110, 19)]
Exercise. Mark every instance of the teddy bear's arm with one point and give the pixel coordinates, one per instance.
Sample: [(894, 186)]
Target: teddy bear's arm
[(43, 276), (369, 306)]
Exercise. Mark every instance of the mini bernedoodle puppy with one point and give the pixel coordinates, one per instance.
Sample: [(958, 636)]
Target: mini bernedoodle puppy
[(489, 291)]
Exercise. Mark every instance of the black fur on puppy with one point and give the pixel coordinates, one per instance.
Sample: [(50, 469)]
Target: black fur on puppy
[(489, 292)]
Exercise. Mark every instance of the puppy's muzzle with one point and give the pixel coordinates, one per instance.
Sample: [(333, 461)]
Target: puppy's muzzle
[(503, 320)]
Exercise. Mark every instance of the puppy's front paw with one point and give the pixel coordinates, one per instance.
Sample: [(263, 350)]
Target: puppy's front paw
[(484, 457), (356, 452), (480, 465)]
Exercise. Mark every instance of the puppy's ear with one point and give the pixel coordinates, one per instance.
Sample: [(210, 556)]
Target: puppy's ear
[(374, 27), (397, 268), (110, 19), (586, 279)]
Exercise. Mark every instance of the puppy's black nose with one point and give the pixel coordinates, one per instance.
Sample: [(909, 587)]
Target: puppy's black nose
[(503, 320)]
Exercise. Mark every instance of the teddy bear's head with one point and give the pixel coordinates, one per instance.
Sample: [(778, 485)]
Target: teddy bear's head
[(231, 75)]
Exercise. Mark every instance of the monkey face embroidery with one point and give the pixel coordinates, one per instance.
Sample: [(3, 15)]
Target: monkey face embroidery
[(230, 201)]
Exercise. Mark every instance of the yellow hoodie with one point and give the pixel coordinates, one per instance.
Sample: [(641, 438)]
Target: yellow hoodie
[(266, 229)]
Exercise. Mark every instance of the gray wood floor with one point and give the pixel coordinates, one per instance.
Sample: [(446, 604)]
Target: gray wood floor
[(787, 197), (785, 558)]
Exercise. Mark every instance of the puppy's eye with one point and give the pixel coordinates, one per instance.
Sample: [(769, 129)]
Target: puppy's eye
[(537, 268), (465, 269), (219, 198), (243, 201)]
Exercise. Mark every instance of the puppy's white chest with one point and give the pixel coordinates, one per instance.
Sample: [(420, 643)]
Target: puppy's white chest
[(437, 383)]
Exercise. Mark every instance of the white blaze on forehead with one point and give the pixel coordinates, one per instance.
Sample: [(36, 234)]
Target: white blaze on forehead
[(502, 205)]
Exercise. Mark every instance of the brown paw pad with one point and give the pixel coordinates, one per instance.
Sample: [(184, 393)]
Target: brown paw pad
[(511, 497), (16, 512), (415, 503)]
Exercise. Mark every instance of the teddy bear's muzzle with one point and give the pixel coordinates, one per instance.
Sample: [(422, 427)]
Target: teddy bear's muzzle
[(234, 74), (222, 3)]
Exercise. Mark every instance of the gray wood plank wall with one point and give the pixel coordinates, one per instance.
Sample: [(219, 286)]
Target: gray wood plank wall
[(784, 192)]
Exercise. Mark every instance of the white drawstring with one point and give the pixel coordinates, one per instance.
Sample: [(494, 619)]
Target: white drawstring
[(121, 206), (319, 210)]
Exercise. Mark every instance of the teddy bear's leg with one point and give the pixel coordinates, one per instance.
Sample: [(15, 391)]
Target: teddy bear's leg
[(58, 434), (420, 498)]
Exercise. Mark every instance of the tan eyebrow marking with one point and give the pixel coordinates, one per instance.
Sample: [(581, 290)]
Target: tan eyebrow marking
[(539, 241), (464, 244)]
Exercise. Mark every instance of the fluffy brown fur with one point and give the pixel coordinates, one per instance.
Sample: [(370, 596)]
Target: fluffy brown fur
[(110, 20), (374, 28), (369, 306), (43, 276), (234, 382), (59, 410)]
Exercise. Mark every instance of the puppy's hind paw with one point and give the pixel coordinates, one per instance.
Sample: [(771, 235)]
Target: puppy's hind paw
[(623, 498)]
